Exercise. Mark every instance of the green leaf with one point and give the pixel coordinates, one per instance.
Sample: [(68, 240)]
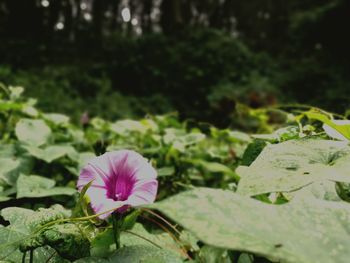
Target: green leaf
[(192, 138), (294, 164), (92, 260), (123, 127), (214, 167), (57, 119), (12, 164), (22, 223), (137, 254), (180, 139), (252, 151), (245, 258), (103, 244), (280, 135), (144, 254), (343, 189), (38, 186), (322, 117), (166, 171), (67, 239), (209, 254), (33, 132), (15, 92), (325, 190), (230, 221), (51, 153), (129, 221), (6, 166)]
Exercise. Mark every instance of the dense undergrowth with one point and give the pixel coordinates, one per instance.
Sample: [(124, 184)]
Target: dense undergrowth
[(201, 73), (224, 195)]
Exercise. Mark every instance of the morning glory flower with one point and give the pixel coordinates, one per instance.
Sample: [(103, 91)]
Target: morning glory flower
[(119, 179), (333, 133)]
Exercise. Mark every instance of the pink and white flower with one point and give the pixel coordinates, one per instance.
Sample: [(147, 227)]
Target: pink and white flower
[(120, 179)]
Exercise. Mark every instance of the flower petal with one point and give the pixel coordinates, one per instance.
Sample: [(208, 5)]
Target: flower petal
[(97, 169), (100, 203), (143, 194), (120, 179), (129, 168)]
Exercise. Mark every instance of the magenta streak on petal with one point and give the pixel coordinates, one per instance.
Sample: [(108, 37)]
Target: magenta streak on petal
[(120, 183)]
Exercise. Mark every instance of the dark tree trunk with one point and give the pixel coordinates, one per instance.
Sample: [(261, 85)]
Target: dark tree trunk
[(146, 21), (115, 19), (98, 9), (171, 20)]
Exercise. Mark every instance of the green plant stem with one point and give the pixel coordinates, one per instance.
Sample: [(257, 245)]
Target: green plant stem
[(117, 219), (31, 256), (24, 256)]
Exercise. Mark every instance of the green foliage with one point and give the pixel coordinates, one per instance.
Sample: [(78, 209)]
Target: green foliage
[(38, 186), (103, 244), (294, 164), (253, 150), (137, 253), (267, 191), (22, 224), (200, 73), (33, 132), (66, 239), (79, 87), (231, 221)]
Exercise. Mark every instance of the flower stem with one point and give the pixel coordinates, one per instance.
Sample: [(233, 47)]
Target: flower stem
[(117, 223), (24, 256), (31, 256)]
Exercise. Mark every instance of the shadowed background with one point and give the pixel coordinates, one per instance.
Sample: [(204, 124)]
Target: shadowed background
[(114, 58)]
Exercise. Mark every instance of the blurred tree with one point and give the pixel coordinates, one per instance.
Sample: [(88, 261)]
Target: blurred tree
[(305, 41)]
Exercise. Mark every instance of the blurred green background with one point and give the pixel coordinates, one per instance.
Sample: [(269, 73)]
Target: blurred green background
[(127, 58)]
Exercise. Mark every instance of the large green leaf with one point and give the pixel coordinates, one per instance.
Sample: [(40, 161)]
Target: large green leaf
[(123, 127), (4, 194), (67, 239), (33, 132), (38, 186), (51, 153), (294, 164), (6, 166), (135, 254), (304, 230), (22, 223), (103, 244), (145, 254), (12, 164), (92, 260), (57, 119)]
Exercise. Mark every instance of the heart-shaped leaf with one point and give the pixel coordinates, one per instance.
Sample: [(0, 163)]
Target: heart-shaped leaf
[(33, 132), (231, 221), (38, 186), (294, 164)]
